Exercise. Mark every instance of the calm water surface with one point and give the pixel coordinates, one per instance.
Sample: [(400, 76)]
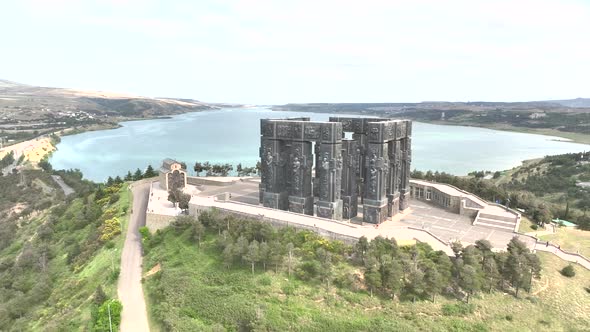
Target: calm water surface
[(233, 136)]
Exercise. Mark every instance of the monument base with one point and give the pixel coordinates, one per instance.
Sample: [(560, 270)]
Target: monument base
[(375, 212), (330, 210), (275, 200), (349, 207), (301, 204)]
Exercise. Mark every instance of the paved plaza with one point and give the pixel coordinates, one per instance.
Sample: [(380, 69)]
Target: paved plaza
[(447, 226), (454, 227)]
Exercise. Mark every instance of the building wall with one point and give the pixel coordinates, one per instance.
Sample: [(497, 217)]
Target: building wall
[(435, 196), (157, 221), (195, 181), (196, 210), (163, 177)]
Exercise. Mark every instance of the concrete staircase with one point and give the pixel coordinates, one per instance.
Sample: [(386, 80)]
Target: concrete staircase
[(498, 222)]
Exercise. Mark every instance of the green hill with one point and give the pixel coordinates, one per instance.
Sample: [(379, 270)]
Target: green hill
[(55, 252)]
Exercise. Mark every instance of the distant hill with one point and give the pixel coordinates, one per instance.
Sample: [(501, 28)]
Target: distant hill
[(27, 111), (575, 103), (9, 84), (20, 100), (553, 117)]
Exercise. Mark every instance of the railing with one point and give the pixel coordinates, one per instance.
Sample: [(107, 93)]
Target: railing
[(542, 245)]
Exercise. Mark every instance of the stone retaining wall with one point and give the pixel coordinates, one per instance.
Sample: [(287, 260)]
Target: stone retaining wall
[(157, 221)]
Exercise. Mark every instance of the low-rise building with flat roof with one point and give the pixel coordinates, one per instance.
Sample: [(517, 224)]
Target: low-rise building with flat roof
[(464, 203)]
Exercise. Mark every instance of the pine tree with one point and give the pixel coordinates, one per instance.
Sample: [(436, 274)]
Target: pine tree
[(129, 176), (228, 254), (290, 248), (433, 281), (199, 167), (325, 258), (264, 254), (137, 175), (361, 248), (149, 172), (253, 254), (198, 231), (372, 275)]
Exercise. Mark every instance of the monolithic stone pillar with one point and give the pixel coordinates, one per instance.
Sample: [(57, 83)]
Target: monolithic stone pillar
[(330, 171), (316, 177), (377, 164), (406, 160), (299, 174), (273, 158), (361, 143), (393, 178), (273, 183), (349, 179)]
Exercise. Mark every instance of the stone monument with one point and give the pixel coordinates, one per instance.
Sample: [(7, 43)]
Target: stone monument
[(331, 176)]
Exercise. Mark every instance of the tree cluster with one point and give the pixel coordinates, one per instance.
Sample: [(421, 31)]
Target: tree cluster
[(407, 273), (8, 159), (418, 272), (224, 169), (177, 196), (212, 169)]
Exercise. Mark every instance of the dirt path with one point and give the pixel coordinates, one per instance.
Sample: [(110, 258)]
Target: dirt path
[(570, 257), (66, 189), (134, 316)]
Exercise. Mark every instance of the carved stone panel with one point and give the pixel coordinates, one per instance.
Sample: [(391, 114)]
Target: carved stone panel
[(266, 128), (284, 130), (311, 131)]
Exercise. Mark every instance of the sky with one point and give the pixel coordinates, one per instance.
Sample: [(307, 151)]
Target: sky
[(282, 51)]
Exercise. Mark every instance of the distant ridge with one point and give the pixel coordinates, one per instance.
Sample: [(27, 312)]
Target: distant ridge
[(574, 103), (29, 103), (10, 84)]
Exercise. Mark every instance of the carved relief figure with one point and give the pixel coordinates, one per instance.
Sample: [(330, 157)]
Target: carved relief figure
[(325, 133), (296, 178), (269, 161)]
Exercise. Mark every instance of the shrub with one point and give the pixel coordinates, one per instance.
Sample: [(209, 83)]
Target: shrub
[(458, 309), (265, 280), (114, 198), (114, 275), (289, 289), (509, 318), (535, 226), (112, 307), (145, 234), (110, 229), (568, 271)]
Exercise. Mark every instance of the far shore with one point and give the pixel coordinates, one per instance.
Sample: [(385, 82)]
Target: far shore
[(40, 145), (567, 136)]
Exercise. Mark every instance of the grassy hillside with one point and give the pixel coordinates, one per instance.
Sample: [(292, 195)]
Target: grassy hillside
[(55, 255), (190, 287), (547, 188)]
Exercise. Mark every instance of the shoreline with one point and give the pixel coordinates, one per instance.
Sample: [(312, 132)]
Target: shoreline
[(554, 136), (566, 137), (570, 137)]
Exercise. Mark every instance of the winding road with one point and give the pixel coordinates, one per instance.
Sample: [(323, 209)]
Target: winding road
[(134, 316)]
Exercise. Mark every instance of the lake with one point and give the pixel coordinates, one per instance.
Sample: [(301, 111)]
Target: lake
[(233, 136)]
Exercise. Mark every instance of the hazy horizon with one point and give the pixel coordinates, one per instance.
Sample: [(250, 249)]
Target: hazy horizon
[(269, 53)]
